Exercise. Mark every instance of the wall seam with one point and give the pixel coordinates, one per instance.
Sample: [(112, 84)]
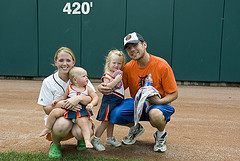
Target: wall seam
[(221, 45), (173, 26), (81, 39), (126, 13), (38, 52)]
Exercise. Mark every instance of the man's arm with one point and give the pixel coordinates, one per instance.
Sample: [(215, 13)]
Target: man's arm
[(165, 100), (102, 88)]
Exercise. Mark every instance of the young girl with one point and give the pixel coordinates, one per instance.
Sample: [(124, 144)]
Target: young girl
[(79, 79), (114, 62)]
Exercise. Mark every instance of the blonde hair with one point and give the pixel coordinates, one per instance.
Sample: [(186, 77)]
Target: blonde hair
[(109, 57), (65, 49), (75, 71)]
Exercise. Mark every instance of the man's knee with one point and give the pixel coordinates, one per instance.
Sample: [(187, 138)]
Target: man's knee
[(157, 119), (156, 115)]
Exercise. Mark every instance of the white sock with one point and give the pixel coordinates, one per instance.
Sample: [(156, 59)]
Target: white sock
[(110, 138), (97, 137), (161, 132)]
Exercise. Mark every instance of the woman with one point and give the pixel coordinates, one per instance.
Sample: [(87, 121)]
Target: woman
[(53, 87)]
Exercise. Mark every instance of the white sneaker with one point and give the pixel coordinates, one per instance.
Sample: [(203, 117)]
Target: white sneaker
[(96, 142), (133, 133), (160, 142), (112, 141)]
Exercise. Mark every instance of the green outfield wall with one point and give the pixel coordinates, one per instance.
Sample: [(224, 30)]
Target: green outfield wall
[(200, 39)]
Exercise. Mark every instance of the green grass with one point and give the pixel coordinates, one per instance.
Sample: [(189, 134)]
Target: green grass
[(26, 156)]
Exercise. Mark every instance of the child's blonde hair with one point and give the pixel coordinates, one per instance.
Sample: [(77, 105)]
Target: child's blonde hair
[(109, 56), (75, 71)]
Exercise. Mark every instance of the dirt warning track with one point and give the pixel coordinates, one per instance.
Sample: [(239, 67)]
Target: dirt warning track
[(205, 126)]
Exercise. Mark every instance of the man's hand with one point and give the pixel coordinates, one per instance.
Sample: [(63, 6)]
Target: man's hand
[(104, 89), (165, 100), (154, 100)]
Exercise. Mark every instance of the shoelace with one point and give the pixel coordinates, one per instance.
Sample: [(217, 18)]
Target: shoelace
[(135, 130), (161, 141), (131, 136), (112, 139), (98, 142)]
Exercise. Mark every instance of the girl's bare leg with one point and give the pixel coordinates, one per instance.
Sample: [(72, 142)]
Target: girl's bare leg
[(110, 128), (55, 114), (101, 128), (83, 123)]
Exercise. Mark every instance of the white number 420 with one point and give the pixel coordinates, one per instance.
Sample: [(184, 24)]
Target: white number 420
[(78, 8)]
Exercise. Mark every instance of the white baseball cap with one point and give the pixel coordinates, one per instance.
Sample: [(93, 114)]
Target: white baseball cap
[(132, 38)]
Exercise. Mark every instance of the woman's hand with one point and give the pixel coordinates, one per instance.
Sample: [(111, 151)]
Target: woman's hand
[(77, 108), (104, 89), (60, 104), (71, 103)]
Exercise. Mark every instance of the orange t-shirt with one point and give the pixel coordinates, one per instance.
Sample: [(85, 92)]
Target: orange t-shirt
[(162, 75)]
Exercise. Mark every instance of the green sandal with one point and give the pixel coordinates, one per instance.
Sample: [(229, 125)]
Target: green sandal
[(81, 145), (54, 151)]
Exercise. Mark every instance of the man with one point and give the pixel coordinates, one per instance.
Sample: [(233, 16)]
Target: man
[(134, 74)]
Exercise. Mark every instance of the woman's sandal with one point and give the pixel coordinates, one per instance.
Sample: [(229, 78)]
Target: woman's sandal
[(54, 151), (81, 145)]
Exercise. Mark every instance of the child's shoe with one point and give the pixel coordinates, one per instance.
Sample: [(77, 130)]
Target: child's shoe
[(96, 142), (112, 141)]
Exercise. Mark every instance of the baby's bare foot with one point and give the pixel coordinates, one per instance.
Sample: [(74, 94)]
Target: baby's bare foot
[(88, 145), (44, 132)]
